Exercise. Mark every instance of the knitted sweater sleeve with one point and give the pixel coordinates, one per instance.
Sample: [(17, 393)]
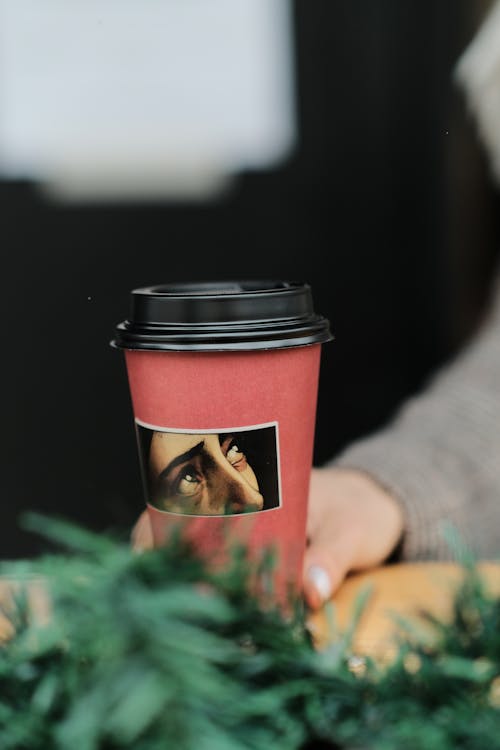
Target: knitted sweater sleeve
[(440, 455)]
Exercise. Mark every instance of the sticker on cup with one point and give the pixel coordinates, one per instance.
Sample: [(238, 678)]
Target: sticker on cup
[(229, 471)]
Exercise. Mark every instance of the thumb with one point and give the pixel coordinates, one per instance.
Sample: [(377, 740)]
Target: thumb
[(325, 567), (142, 535)]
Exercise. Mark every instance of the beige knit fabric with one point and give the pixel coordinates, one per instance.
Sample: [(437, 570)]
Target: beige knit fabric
[(440, 456), (477, 72)]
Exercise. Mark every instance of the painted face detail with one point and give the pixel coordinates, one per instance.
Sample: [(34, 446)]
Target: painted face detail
[(202, 475)]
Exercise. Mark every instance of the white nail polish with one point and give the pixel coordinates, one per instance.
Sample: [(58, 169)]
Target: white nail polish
[(321, 581)]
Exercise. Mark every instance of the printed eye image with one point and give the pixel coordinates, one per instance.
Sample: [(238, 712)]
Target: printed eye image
[(210, 474)]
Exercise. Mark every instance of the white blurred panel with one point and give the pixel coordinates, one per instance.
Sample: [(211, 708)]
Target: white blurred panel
[(133, 97)]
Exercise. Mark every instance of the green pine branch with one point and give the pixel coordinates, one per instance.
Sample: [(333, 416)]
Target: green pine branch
[(153, 650)]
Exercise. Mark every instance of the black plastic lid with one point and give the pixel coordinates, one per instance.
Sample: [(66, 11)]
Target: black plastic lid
[(222, 316)]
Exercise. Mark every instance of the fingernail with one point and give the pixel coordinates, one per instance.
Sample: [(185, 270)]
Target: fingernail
[(321, 581)]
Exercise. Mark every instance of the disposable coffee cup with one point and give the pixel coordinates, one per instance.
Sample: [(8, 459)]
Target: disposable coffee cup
[(223, 381)]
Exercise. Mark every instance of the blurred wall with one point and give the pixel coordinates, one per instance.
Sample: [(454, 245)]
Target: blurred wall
[(386, 208)]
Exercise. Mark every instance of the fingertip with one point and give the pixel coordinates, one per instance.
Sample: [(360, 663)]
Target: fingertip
[(311, 596), (321, 577), (322, 580), (318, 585)]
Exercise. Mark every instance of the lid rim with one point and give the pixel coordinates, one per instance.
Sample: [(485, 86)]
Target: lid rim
[(237, 346), (235, 316)]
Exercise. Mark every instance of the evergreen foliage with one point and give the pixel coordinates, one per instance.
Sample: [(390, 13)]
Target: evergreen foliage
[(152, 651)]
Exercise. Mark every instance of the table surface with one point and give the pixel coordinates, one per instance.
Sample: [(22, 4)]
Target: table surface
[(403, 589)]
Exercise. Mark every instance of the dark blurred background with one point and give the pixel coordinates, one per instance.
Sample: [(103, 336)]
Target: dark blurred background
[(385, 206)]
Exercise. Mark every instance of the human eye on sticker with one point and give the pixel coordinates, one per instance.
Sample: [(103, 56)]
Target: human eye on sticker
[(201, 474)]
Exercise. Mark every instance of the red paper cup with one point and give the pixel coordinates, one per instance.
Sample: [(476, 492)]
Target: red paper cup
[(223, 379)]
